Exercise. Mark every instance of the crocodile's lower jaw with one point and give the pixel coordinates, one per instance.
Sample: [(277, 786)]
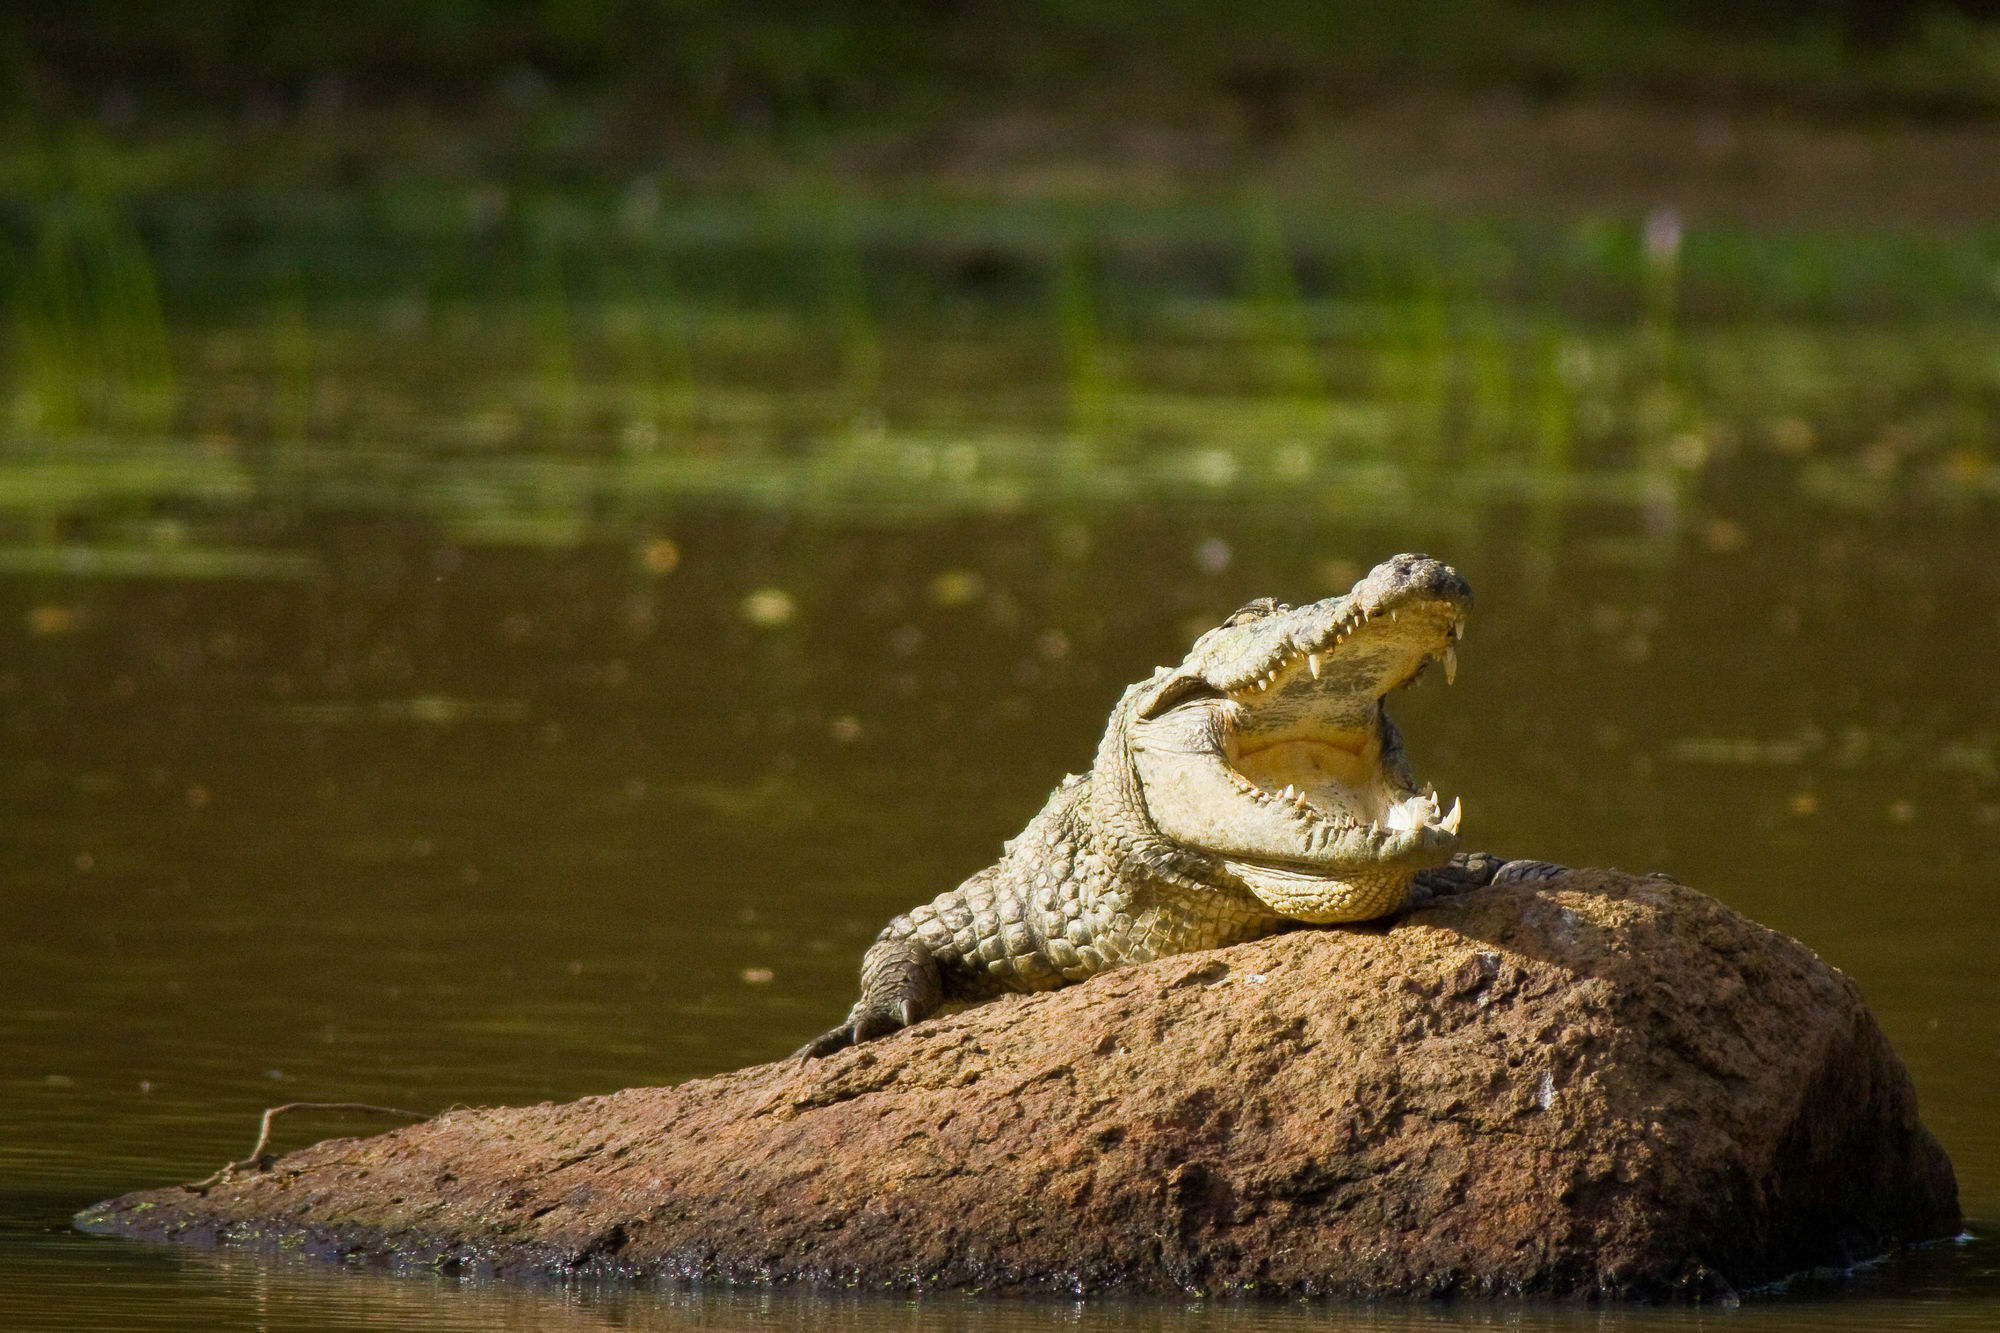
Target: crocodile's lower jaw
[(1361, 894)]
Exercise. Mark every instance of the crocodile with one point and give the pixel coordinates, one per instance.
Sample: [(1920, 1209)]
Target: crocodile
[(1258, 784)]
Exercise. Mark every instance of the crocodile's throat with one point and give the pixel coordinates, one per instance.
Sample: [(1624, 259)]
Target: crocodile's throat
[(1269, 748)]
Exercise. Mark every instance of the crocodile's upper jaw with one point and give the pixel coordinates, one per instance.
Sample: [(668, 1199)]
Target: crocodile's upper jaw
[(1269, 750)]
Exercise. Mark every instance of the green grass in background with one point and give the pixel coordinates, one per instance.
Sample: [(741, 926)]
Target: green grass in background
[(497, 361)]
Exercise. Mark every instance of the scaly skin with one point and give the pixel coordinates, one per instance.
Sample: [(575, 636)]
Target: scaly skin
[(1167, 846)]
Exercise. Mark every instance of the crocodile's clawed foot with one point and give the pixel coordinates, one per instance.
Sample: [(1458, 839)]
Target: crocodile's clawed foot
[(1465, 871), (861, 1025), (899, 985), (1527, 872), (1474, 870)]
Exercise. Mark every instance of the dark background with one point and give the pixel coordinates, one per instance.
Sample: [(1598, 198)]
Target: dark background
[(704, 69)]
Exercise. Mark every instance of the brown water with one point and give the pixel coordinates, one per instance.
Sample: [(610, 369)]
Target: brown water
[(428, 768)]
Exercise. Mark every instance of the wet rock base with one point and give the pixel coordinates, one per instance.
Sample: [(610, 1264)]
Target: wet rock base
[(1598, 1087)]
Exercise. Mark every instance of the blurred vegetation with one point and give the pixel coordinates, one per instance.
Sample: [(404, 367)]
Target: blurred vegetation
[(560, 338), (545, 367)]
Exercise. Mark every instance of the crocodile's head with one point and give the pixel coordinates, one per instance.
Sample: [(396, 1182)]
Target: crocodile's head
[(1268, 754)]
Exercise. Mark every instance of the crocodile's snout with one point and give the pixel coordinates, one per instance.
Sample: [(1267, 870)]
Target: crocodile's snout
[(1269, 748)]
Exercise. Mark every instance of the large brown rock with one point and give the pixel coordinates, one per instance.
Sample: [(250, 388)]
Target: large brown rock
[(1599, 1085)]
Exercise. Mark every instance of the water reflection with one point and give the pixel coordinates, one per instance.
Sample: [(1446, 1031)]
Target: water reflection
[(225, 1291)]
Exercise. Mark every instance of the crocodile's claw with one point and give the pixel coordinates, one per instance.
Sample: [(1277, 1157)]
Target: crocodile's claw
[(826, 1043), (851, 1033)]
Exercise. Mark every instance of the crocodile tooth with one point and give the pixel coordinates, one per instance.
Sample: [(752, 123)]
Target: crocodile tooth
[(1450, 822), (1290, 793), (1450, 663), (1312, 660)]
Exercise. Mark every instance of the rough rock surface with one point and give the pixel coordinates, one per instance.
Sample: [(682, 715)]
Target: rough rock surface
[(1596, 1086)]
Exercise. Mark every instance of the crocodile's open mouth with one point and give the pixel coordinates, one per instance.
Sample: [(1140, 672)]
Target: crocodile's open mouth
[(1270, 750), (1309, 732)]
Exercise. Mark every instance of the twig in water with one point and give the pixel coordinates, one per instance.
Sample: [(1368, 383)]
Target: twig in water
[(256, 1157)]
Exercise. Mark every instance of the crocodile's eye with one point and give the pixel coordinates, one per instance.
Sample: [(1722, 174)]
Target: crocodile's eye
[(1257, 610)]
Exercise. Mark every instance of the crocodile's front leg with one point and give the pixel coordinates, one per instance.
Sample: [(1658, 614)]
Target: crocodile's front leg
[(978, 941)]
